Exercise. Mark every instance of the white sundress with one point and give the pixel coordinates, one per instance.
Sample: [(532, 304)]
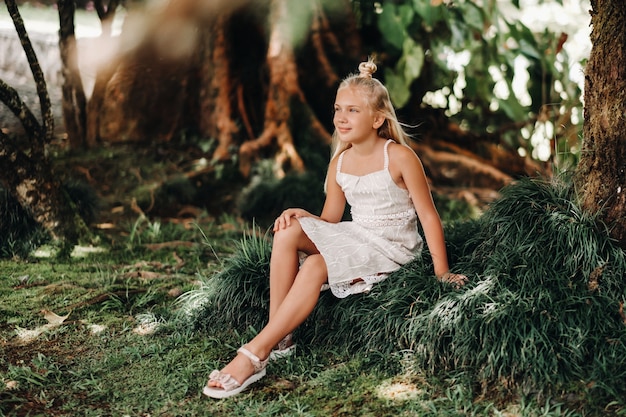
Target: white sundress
[(381, 237)]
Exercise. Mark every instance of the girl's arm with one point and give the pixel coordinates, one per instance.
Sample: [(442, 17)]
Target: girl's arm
[(334, 204), (412, 175)]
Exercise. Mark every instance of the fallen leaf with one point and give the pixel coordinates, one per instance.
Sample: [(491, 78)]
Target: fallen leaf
[(53, 318)]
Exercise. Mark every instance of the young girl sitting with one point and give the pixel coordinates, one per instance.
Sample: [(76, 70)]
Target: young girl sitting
[(378, 174)]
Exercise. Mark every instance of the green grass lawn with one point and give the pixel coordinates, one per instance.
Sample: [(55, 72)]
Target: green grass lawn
[(103, 360), (115, 346)]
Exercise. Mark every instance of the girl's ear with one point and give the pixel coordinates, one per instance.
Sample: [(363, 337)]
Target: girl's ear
[(379, 119)]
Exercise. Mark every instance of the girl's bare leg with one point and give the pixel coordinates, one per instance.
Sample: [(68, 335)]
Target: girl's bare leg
[(284, 263), (294, 309)]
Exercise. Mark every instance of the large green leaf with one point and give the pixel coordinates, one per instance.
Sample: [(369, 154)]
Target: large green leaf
[(398, 90), (430, 14), (473, 16), (392, 23), (512, 107), (412, 60)]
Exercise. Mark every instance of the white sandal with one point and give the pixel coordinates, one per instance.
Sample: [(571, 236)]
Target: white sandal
[(285, 348), (230, 386)]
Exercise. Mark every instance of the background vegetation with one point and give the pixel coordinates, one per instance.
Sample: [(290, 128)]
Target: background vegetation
[(176, 278)]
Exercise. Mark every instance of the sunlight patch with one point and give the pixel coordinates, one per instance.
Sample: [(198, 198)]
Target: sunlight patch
[(11, 385), (148, 324), (145, 329), (96, 329), (49, 251), (82, 251), (398, 391)]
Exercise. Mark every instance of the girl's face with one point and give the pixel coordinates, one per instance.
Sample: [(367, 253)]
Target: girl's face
[(354, 119)]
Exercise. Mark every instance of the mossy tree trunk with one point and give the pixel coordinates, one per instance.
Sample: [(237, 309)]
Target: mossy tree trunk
[(601, 173)]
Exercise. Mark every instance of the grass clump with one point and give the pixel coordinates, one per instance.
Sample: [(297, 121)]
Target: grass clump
[(541, 314)]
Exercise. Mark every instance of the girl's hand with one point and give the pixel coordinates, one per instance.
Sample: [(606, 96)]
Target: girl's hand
[(284, 220), (458, 280)]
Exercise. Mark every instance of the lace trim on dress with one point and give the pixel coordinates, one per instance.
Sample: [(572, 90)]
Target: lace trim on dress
[(393, 219), (344, 289)]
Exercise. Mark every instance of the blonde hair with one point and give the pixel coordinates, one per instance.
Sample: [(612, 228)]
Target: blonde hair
[(377, 97)]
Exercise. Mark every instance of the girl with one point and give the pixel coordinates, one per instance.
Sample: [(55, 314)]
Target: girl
[(378, 174)]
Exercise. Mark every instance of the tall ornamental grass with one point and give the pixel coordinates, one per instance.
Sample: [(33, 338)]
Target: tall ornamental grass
[(543, 308)]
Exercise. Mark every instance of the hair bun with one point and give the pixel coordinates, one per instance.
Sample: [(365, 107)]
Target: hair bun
[(366, 69)]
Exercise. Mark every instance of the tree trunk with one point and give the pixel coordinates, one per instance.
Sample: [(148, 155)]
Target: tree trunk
[(601, 173), (74, 102), (259, 81), (145, 97), (39, 135), (27, 175), (32, 183), (106, 14), (216, 88), (284, 93)]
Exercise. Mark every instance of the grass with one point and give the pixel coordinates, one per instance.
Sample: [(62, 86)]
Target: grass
[(542, 317), (514, 342)]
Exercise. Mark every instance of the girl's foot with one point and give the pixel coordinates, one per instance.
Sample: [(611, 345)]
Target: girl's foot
[(283, 349), (242, 371)]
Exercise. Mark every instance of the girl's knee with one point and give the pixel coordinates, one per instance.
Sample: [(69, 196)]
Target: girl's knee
[(294, 229)]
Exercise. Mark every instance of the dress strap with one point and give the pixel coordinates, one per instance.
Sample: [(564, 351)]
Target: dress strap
[(386, 166), (339, 162)]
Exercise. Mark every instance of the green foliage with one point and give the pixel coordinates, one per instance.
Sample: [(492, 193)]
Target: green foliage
[(243, 278), (452, 210), (541, 312), (99, 362), (267, 197), (466, 54)]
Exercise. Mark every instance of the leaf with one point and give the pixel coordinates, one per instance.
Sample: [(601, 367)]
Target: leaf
[(398, 91), (430, 13), (53, 318), (391, 26), (473, 16), (513, 108), (413, 60)]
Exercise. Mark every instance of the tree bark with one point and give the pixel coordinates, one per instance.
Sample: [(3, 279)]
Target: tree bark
[(601, 173), (144, 99), (32, 183), (106, 14), (41, 136), (284, 92), (217, 89), (27, 175), (74, 103)]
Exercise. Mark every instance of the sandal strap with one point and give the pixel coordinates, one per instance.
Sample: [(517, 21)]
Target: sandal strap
[(257, 363), (227, 382), (286, 342)]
